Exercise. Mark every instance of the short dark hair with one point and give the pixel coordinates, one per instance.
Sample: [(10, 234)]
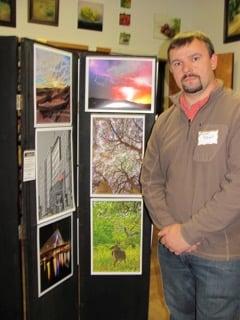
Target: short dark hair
[(183, 38)]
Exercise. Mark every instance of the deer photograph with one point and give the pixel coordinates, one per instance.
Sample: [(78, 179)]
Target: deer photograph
[(116, 245)]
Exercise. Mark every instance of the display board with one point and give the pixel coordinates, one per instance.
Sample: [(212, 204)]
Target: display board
[(49, 126), (10, 267), (85, 122), (117, 111)]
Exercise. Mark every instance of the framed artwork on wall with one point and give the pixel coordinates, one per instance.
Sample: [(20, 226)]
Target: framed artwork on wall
[(165, 27), (231, 20), (124, 19), (126, 4), (43, 12), (90, 15), (8, 13)]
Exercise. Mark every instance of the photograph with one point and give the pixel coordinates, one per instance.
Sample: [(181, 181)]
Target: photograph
[(116, 236), (125, 4), (124, 38), (231, 20), (55, 254), (8, 13), (165, 27), (54, 168), (120, 84), (52, 86), (90, 15), (117, 146), (124, 19), (43, 11)]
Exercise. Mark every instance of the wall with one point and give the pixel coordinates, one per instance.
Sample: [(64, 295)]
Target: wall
[(141, 28), (204, 15)]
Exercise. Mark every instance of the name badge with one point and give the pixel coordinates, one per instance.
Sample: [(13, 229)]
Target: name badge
[(207, 137)]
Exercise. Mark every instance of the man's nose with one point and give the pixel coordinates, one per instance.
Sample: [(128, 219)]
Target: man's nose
[(186, 67)]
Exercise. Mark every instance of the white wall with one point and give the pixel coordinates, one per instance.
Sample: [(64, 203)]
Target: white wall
[(204, 15), (141, 28)]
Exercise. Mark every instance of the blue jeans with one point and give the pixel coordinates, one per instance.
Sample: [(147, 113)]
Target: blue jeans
[(200, 289)]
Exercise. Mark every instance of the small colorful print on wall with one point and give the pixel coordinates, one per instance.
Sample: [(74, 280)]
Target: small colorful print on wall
[(117, 144), (116, 236), (120, 84), (55, 255), (124, 19), (124, 38), (125, 4), (165, 27), (52, 86), (90, 15)]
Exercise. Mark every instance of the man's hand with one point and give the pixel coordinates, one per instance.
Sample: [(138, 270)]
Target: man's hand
[(171, 237)]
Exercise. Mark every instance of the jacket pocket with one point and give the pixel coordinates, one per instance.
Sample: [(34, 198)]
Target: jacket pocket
[(210, 140)]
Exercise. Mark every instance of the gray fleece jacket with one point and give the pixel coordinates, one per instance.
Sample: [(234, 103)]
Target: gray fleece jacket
[(191, 174)]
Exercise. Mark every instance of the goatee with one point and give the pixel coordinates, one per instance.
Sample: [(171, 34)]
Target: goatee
[(191, 89)]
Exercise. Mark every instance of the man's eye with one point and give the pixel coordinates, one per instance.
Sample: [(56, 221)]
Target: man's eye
[(176, 64), (195, 58)]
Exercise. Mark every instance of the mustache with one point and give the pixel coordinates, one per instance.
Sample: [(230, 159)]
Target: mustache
[(185, 76)]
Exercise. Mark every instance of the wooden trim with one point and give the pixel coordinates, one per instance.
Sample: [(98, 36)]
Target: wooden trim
[(73, 46), (103, 50), (64, 45)]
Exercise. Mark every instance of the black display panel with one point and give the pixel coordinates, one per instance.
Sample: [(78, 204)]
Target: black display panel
[(10, 266), (49, 211), (110, 295)]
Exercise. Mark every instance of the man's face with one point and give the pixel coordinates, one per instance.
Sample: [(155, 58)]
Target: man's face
[(192, 67)]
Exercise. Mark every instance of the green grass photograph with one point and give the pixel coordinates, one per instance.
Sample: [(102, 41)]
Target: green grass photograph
[(116, 236)]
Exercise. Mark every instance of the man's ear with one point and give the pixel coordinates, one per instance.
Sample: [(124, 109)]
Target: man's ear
[(214, 60), (170, 68)]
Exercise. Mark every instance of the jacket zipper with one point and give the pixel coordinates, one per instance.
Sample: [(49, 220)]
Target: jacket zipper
[(189, 127)]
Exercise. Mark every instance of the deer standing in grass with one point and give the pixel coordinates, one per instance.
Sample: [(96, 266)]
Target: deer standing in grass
[(118, 254)]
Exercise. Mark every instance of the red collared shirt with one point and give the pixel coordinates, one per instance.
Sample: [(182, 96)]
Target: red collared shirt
[(191, 110)]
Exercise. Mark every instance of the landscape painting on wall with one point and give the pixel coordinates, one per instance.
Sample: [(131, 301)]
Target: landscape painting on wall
[(43, 11), (117, 144), (90, 15), (120, 84), (232, 20), (116, 236), (54, 167), (8, 13), (54, 253), (52, 86)]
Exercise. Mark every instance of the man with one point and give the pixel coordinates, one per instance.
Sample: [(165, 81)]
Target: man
[(191, 187)]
